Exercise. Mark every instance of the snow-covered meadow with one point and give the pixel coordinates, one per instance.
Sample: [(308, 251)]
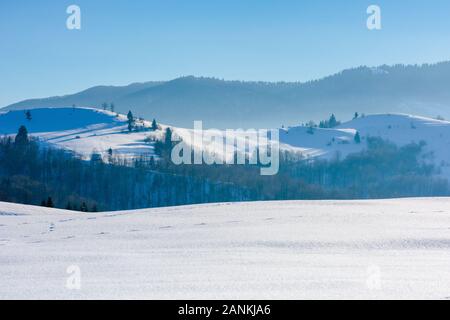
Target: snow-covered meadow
[(376, 249)]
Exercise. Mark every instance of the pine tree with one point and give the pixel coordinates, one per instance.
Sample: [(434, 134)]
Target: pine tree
[(332, 122), (154, 125), (130, 118), (152, 162), (50, 202), (28, 115), (104, 106), (22, 136), (110, 155), (357, 137), (168, 138), (84, 207), (112, 107), (356, 115)]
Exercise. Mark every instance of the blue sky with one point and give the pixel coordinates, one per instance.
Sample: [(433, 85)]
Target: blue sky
[(132, 41)]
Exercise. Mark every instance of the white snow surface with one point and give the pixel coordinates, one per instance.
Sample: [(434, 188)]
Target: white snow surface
[(377, 249)]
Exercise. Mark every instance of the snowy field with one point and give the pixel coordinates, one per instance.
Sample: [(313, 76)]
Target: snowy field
[(274, 250)]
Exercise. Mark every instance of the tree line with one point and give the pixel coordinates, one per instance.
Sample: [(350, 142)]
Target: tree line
[(34, 173)]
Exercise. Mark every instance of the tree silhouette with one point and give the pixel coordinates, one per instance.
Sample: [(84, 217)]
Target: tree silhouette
[(22, 136), (154, 125), (130, 118), (49, 203), (168, 138), (357, 137)]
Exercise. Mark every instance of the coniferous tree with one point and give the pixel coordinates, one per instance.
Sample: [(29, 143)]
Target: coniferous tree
[(84, 207), (130, 118), (50, 202), (28, 115), (357, 137), (152, 162), (154, 125), (22, 136), (168, 138), (332, 122)]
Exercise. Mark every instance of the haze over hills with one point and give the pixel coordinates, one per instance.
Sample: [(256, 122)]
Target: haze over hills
[(230, 104)]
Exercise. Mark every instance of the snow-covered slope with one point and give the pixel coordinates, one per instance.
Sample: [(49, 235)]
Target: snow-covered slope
[(85, 130), (272, 250), (82, 130), (400, 129)]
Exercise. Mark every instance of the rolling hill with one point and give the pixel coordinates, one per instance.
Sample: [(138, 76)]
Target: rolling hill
[(88, 130)]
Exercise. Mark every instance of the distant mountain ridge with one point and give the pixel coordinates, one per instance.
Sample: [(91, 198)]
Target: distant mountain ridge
[(416, 89)]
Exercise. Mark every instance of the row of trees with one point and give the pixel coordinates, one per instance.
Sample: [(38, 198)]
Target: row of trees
[(332, 123), (382, 170), (30, 172), (110, 107), (131, 120)]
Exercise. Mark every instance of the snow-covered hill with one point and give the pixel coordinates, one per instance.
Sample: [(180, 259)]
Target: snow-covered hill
[(85, 130), (400, 129), (390, 249), (82, 130)]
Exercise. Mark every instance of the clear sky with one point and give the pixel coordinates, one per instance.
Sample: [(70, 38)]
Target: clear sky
[(133, 41)]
